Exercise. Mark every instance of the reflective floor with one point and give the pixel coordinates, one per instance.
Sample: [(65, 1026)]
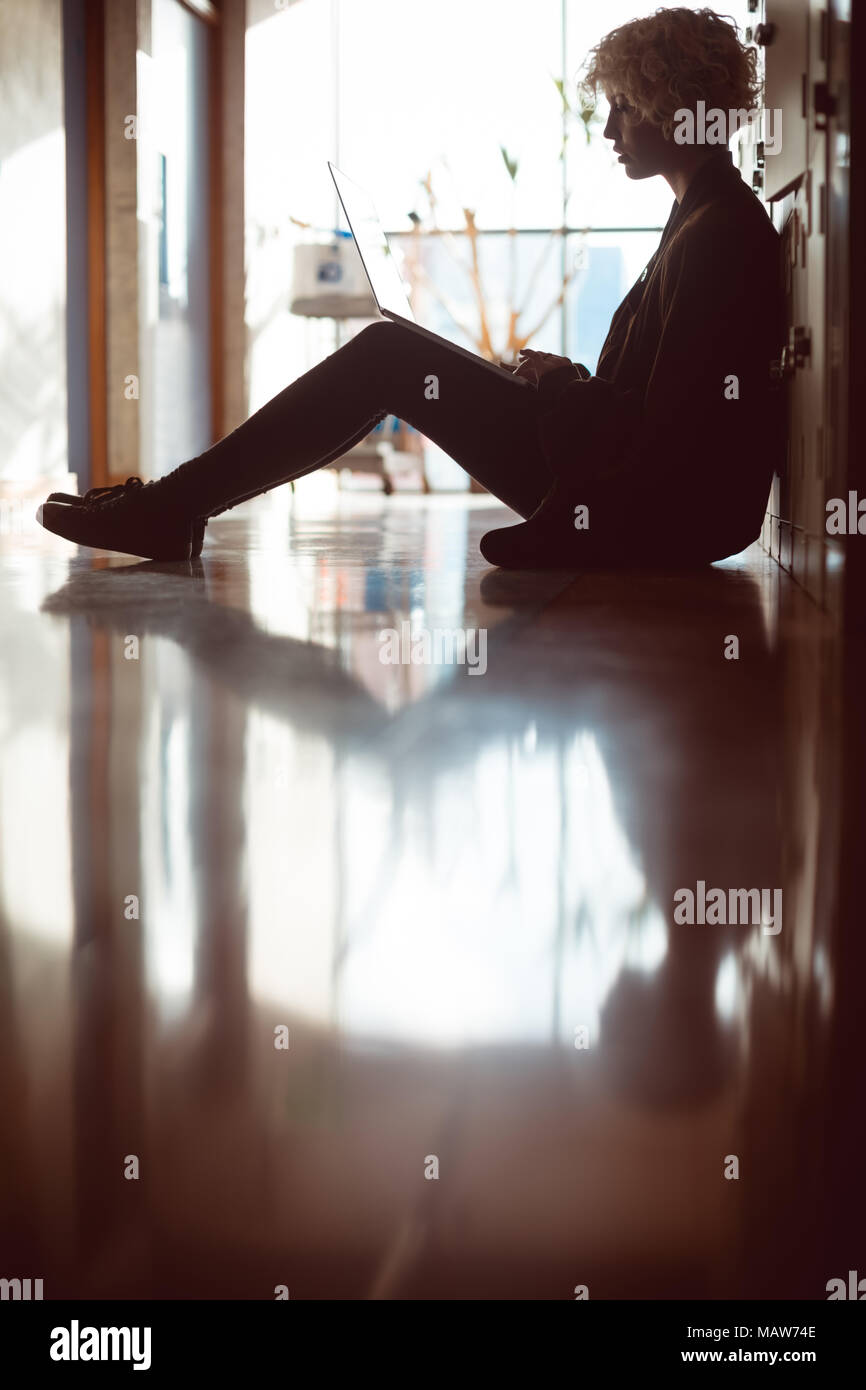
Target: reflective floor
[(366, 979)]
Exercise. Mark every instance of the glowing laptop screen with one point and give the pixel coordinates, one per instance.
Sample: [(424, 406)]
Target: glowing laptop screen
[(376, 255)]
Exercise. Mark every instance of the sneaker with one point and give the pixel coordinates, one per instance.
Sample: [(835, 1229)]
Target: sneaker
[(71, 497), (135, 518)]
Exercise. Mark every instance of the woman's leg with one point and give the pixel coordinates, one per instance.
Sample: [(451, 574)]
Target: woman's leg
[(484, 421), (487, 424)]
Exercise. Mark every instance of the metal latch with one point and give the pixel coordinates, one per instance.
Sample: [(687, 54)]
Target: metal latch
[(796, 353)]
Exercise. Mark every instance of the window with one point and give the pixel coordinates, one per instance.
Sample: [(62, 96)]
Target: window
[(390, 92)]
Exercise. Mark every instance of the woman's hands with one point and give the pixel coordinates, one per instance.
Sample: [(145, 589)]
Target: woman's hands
[(535, 364)]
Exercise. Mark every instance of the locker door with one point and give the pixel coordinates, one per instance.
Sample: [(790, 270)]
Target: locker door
[(794, 40)]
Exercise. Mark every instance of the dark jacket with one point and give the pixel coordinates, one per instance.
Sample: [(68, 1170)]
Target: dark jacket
[(651, 443)]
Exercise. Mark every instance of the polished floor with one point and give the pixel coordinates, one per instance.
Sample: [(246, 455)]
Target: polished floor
[(224, 816)]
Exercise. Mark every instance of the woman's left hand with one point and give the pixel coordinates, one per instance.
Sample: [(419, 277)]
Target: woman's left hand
[(535, 365)]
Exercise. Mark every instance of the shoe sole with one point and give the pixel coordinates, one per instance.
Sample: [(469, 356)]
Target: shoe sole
[(65, 518)]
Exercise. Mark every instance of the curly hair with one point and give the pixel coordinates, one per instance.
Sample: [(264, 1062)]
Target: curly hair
[(672, 59)]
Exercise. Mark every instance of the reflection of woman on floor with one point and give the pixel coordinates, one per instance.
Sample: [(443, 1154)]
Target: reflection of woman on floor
[(666, 454)]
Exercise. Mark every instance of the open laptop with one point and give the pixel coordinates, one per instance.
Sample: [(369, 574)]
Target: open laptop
[(381, 270)]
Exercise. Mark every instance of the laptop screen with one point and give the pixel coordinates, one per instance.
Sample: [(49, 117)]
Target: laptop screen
[(372, 244)]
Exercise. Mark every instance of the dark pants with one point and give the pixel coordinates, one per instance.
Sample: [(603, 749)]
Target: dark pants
[(486, 423)]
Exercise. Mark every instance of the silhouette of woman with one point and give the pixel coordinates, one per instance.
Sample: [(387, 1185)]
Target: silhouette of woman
[(665, 454)]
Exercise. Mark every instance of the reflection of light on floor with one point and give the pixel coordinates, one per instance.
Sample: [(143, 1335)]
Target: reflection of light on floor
[(614, 925), (493, 899), (290, 803), (728, 991), (824, 979), (281, 586), (34, 814), (168, 900), (318, 599)]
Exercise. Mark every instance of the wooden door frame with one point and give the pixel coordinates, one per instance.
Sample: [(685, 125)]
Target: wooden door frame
[(94, 47), (101, 471)]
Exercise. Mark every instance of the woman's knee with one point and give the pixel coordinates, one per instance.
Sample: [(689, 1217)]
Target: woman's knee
[(385, 337), (382, 330)]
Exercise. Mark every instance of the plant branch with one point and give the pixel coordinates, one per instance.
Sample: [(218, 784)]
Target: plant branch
[(446, 236), (425, 280), (486, 345)]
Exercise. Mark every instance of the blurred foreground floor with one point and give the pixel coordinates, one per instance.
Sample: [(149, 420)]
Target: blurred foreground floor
[(223, 815)]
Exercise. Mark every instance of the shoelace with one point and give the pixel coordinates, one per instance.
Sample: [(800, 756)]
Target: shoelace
[(102, 494)]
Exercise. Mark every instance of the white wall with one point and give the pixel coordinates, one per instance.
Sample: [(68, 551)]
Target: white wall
[(33, 428)]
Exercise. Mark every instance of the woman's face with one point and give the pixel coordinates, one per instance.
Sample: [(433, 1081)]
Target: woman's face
[(642, 149)]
